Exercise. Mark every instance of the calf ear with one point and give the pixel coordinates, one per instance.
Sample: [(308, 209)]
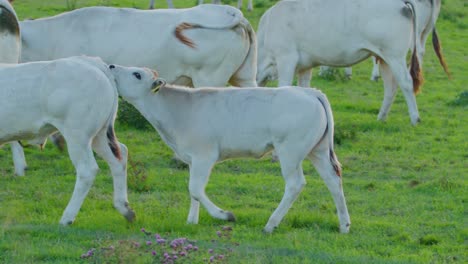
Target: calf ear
[(158, 84)]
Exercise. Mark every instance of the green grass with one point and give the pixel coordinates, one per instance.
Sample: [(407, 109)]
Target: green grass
[(405, 186)]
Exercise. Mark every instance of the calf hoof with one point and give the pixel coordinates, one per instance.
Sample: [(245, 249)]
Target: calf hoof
[(64, 222), (345, 229), (268, 230), (230, 217), (415, 121), (130, 215)]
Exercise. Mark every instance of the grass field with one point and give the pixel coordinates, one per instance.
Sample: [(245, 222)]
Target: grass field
[(406, 187)]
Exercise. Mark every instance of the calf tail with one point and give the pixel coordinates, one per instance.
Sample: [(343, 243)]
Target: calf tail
[(112, 141), (438, 51), (330, 132), (415, 68)]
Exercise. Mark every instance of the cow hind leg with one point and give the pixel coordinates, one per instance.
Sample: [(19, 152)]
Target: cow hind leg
[(321, 161), (81, 155), (304, 77), (293, 175), (286, 66), (115, 154), (390, 88), (404, 80), (19, 160), (375, 70), (199, 174)]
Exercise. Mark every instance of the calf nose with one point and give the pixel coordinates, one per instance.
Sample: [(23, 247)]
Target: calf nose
[(112, 66)]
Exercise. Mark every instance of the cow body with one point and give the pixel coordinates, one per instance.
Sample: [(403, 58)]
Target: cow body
[(78, 97), (208, 125), (199, 46), (428, 12), (340, 33)]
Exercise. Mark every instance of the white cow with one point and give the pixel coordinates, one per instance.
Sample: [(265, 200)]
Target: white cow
[(78, 97), (428, 12), (10, 49), (349, 32), (208, 125), (207, 45), (170, 4)]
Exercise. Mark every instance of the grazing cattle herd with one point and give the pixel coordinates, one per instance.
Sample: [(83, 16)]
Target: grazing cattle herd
[(65, 73)]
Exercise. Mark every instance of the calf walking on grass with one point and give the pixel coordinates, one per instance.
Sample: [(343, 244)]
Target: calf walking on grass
[(208, 125)]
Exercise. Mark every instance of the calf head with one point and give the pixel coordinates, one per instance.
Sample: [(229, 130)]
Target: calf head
[(134, 82)]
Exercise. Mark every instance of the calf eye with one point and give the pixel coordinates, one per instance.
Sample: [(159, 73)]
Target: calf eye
[(137, 75)]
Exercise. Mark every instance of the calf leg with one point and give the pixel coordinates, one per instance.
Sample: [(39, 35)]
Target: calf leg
[(117, 162), (19, 160), (199, 174), (294, 177), (390, 88), (322, 163), (86, 167), (194, 211)]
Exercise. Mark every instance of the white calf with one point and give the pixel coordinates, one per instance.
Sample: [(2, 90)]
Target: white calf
[(291, 41), (208, 125), (78, 97)]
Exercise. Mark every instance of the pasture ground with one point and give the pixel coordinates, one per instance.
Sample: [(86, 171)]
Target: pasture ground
[(405, 186)]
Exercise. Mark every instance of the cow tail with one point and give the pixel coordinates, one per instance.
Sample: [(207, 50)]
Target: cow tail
[(415, 67), (330, 131), (248, 68), (181, 37), (438, 50)]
